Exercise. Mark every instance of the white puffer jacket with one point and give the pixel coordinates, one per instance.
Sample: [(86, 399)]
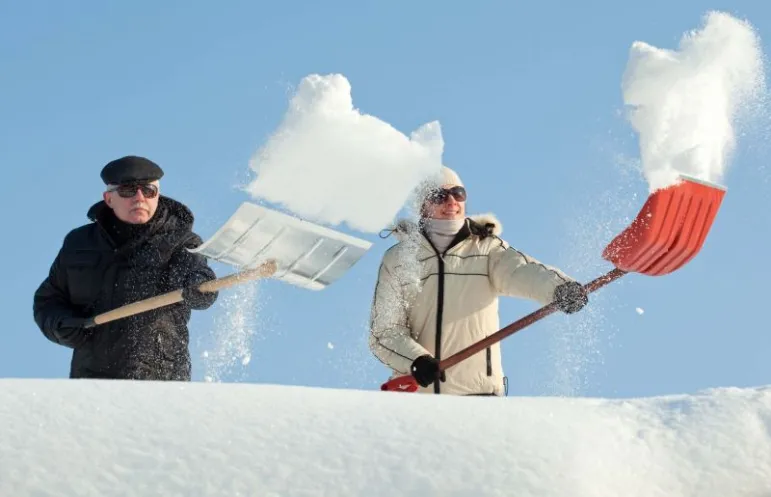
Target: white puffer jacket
[(426, 303)]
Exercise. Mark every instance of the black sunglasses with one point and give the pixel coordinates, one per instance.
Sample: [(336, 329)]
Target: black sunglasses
[(440, 195), (128, 191)]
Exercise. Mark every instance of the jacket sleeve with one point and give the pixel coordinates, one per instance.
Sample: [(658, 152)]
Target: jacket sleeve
[(516, 274), (390, 339), (51, 306), (189, 269)]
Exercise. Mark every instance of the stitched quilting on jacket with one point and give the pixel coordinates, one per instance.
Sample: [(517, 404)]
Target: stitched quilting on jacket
[(438, 304)]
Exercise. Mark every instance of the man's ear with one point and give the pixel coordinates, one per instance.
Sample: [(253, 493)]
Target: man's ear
[(107, 199)]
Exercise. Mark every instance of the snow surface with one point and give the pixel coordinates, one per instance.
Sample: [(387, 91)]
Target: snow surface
[(98, 438), (330, 163), (685, 104)]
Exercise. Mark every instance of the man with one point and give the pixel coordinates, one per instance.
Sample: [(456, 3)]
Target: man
[(134, 248), (437, 293)]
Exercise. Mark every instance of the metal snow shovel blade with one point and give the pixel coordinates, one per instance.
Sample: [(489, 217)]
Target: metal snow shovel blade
[(667, 233), (264, 243), (306, 254)]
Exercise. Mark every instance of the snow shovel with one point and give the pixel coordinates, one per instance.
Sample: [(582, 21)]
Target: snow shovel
[(307, 255), (667, 233), (263, 243)]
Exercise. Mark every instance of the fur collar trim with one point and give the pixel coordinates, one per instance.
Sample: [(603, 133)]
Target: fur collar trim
[(481, 225), (489, 222)]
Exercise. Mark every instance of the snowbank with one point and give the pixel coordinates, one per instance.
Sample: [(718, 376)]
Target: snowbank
[(91, 438)]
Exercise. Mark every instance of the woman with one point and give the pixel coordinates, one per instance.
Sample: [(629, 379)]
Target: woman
[(437, 293)]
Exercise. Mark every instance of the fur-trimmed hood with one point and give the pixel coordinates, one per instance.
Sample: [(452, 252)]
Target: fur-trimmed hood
[(481, 225)]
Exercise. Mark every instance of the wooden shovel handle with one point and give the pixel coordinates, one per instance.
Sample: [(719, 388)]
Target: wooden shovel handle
[(263, 271)]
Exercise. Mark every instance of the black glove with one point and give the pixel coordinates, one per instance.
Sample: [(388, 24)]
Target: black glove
[(570, 297), (193, 297), (425, 370), (72, 332)]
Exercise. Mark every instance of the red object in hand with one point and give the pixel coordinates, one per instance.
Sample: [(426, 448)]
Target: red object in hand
[(400, 384)]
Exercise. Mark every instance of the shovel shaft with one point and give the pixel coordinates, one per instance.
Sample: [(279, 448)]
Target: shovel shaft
[(531, 318), (175, 296)]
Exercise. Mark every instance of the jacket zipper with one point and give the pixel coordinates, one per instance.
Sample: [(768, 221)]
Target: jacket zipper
[(439, 311), (462, 235)]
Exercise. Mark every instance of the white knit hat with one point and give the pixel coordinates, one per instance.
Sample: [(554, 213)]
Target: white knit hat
[(445, 176), (450, 177)]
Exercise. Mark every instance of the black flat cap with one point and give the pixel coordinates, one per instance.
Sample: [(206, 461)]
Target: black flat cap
[(130, 169)]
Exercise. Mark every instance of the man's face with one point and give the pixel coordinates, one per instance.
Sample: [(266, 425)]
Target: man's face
[(449, 202), (133, 204)]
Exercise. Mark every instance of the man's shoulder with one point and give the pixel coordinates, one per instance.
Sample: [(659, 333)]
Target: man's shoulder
[(81, 235)]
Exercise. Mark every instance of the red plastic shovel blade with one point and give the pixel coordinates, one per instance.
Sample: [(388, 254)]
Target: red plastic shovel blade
[(400, 384), (669, 230)]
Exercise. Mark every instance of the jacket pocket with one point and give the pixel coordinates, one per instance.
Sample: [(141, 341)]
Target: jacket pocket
[(84, 276)]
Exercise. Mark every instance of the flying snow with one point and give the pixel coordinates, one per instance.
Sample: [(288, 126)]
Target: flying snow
[(235, 330), (330, 163), (684, 104)]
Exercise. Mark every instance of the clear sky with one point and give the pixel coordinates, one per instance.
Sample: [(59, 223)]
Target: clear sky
[(528, 96)]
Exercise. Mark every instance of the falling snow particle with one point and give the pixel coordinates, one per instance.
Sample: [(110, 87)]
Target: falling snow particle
[(330, 346), (640, 310)]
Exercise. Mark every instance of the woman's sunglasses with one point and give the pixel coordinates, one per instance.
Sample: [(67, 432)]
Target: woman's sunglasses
[(440, 195), (128, 191)]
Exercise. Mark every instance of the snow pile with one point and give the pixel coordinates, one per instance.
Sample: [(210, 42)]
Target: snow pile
[(330, 163), (685, 104), (92, 438)]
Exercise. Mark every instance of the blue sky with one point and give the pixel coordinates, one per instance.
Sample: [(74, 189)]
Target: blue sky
[(528, 96)]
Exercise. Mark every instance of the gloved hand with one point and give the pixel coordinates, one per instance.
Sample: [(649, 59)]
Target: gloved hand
[(193, 297), (425, 370), (570, 297), (72, 332)]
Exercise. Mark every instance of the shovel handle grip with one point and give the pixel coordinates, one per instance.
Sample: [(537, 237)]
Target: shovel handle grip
[(400, 382), (263, 271)]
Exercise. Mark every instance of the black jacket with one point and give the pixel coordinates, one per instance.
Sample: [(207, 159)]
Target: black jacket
[(106, 264)]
